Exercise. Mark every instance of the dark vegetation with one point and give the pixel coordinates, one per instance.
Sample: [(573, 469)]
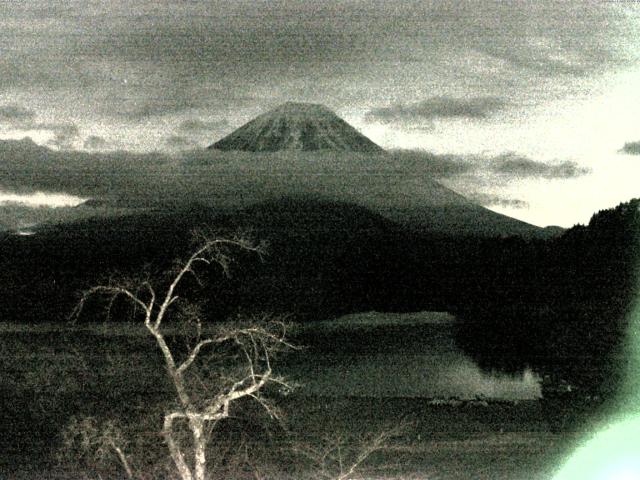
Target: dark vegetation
[(560, 305), (557, 305)]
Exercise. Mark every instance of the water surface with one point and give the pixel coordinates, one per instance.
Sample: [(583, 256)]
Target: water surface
[(397, 355)]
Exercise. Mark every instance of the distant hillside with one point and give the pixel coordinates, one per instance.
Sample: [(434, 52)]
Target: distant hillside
[(561, 305), (324, 258), (466, 219), (297, 126)]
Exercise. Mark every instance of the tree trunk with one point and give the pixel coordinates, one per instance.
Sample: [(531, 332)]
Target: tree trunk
[(199, 448), (174, 450), (123, 459)]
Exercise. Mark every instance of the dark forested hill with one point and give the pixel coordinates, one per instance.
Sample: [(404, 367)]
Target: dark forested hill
[(324, 258), (561, 305)]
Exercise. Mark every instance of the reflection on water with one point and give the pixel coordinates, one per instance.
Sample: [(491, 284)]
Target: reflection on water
[(403, 355)]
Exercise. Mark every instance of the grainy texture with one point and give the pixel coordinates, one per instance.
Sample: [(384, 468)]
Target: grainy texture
[(446, 190)]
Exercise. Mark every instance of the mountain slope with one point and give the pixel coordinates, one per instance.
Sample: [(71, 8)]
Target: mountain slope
[(316, 154), (297, 126), (318, 157)]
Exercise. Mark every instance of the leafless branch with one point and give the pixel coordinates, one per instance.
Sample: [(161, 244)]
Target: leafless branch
[(337, 459), (194, 353), (256, 343)]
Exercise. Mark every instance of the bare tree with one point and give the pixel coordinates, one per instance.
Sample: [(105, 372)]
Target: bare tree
[(97, 444), (203, 399), (338, 458)]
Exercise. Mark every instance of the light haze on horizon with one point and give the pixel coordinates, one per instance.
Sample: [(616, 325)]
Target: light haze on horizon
[(536, 99)]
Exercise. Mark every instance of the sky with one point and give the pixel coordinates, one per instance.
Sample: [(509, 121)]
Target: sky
[(530, 108)]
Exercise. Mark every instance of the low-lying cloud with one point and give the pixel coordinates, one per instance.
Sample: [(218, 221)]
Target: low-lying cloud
[(476, 176), (23, 119), (179, 142), (126, 180), (12, 113), (437, 108), (224, 179), (95, 142), (494, 200), (40, 199), (508, 165), (64, 134), (514, 165), (438, 166), (632, 148), (195, 125)]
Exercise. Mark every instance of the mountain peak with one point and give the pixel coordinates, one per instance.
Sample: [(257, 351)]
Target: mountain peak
[(297, 126)]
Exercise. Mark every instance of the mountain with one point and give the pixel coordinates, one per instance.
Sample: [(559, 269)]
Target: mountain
[(315, 154), (297, 126), (348, 168)]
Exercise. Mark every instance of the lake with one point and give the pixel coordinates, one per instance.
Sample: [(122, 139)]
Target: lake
[(396, 355)]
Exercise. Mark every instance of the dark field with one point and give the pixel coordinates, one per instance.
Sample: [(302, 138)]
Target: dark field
[(53, 373)]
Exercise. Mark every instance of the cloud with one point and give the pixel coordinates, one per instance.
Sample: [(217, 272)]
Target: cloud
[(631, 148), (24, 120), (193, 129), (12, 113), (172, 103), (134, 180), (40, 199), (64, 134), (164, 59), (195, 125), (564, 40), (507, 165), (127, 179), (179, 142), (477, 176), (437, 166), (438, 107), (546, 57), (95, 142), (27, 168), (493, 200), (513, 165)]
